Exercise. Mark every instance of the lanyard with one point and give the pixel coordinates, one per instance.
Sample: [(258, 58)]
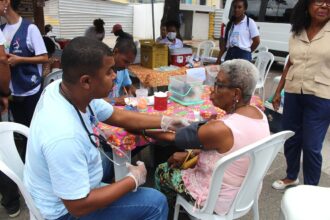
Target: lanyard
[(103, 143)]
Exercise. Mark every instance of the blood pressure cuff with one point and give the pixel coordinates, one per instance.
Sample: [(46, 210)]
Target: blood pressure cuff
[(187, 137)]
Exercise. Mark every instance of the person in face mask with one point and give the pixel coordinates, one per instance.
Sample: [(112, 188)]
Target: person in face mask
[(124, 54), (172, 39)]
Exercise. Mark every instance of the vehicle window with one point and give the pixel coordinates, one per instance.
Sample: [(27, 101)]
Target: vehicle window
[(279, 11), (253, 10)]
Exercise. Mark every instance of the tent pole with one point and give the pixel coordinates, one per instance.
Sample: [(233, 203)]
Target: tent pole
[(153, 20)]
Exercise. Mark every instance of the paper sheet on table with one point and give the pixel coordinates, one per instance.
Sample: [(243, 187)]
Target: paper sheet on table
[(133, 100), (198, 73)]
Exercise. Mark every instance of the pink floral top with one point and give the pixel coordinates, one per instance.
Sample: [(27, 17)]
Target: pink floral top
[(197, 180)]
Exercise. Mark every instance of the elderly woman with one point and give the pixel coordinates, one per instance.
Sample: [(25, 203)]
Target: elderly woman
[(306, 81), (232, 92)]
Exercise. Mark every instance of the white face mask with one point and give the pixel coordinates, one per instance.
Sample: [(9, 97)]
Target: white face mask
[(171, 35)]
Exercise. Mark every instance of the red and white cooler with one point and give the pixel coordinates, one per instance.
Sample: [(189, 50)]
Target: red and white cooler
[(180, 56)]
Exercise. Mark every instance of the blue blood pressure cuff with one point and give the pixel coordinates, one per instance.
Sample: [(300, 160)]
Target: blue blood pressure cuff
[(187, 137)]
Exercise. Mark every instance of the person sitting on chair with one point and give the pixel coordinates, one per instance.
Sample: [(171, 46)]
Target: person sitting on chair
[(124, 54), (53, 63), (163, 33), (172, 40), (212, 140), (97, 30), (64, 169)]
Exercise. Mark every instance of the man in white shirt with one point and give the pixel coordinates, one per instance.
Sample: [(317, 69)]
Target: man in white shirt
[(63, 168)]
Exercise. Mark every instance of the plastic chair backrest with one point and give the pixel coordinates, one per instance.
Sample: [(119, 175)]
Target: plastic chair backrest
[(52, 77), (207, 47), (11, 163), (261, 154), (261, 48), (263, 63)]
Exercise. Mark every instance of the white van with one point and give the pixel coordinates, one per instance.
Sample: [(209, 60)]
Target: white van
[(272, 18)]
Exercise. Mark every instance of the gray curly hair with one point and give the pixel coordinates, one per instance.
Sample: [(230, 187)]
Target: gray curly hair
[(242, 74)]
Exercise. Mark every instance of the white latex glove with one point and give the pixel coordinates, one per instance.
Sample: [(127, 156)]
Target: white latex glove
[(138, 173), (173, 123)]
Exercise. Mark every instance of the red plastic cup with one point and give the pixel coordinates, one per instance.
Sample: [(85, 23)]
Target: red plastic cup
[(160, 103)]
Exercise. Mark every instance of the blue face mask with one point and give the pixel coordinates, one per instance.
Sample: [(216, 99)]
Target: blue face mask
[(171, 35)]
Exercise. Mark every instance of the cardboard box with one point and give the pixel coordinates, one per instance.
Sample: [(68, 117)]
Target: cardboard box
[(153, 55)]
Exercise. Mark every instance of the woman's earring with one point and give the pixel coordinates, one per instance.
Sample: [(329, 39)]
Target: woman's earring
[(5, 10), (234, 106)]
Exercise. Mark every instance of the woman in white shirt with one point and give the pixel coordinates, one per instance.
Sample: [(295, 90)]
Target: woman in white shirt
[(241, 35)]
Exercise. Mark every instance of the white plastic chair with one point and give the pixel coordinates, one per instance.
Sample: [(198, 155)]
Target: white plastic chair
[(276, 79), (11, 163), (259, 49), (207, 47), (52, 77), (263, 62), (261, 154), (305, 202)]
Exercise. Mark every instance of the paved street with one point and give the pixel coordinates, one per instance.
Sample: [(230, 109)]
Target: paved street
[(269, 202)]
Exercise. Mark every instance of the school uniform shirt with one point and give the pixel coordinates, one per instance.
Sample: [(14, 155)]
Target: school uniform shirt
[(241, 34), (2, 39), (172, 45), (122, 80), (34, 43), (310, 69)]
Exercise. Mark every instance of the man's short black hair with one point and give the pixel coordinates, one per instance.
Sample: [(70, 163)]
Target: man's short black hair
[(83, 56), (126, 45), (14, 4)]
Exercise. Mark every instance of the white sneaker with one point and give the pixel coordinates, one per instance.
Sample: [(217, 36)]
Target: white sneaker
[(279, 184)]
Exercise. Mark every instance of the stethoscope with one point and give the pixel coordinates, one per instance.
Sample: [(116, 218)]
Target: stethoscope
[(103, 143)]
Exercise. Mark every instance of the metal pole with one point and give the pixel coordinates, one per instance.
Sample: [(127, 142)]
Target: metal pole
[(153, 20)]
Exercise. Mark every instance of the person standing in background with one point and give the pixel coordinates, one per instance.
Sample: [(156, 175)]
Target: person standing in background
[(163, 33), (26, 53), (241, 34), (8, 189), (97, 30), (306, 81), (117, 30)]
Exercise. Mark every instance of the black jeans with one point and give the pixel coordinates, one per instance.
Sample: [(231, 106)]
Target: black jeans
[(23, 107), (9, 192)]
